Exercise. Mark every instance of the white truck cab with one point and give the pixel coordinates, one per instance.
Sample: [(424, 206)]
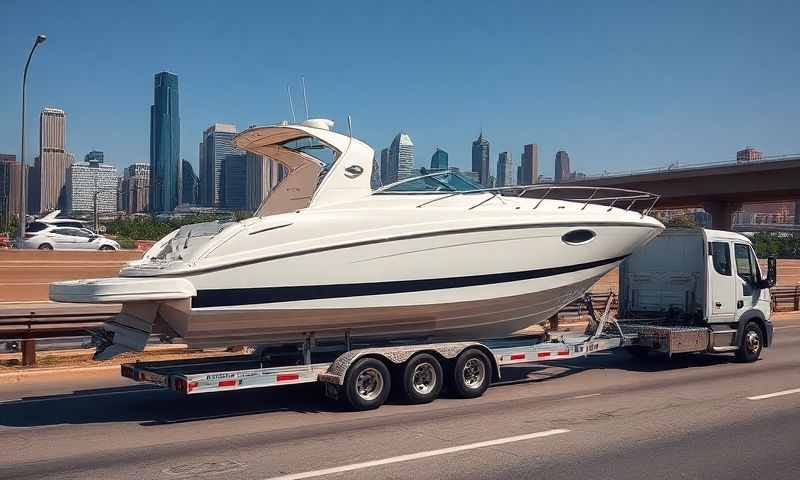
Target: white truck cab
[(702, 278)]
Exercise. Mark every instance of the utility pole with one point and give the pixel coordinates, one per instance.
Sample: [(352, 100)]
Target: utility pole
[(21, 227)]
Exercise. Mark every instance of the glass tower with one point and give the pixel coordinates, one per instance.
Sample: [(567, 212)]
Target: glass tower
[(165, 140), (562, 171), (439, 160), (480, 159)]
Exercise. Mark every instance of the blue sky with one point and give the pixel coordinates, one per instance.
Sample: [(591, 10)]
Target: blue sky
[(619, 85)]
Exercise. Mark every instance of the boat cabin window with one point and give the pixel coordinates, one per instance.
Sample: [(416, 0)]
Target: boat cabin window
[(436, 182)]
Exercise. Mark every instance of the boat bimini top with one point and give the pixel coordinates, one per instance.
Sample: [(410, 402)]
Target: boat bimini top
[(312, 179)]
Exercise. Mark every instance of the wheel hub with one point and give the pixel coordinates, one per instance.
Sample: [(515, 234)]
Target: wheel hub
[(369, 384), (474, 373), (424, 378), (752, 341)]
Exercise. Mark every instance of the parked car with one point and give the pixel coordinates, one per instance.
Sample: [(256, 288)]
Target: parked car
[(56, 237)]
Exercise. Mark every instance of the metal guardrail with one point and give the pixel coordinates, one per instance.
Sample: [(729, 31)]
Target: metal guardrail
[(785, 298)]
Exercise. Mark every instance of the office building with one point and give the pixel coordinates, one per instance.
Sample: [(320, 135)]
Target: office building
[(439, 160), (135, 188), (165, 141), (400, 158), (93, 156), (562, 171), (86, 180), (51, 165), (385, 168), (10, 171), (216, 145), (749, 154), (529, 165), (261, 177), (190, 184), (480, 159), (233, 182), (505, 170)]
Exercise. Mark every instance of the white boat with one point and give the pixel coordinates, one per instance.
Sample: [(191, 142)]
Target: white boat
[(433, 257)]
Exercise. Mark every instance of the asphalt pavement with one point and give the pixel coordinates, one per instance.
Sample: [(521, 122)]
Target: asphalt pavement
[(607, 416)]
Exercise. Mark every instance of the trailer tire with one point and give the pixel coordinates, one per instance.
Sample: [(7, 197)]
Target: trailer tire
[(752, 343), (422, 379), (472, 373), (366, 384)]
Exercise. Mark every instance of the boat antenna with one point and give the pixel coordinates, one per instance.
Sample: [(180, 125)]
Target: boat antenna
[(350, 125), (305, 98), (291, 103)]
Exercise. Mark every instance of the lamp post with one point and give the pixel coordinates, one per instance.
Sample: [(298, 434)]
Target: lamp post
[(22, 207)]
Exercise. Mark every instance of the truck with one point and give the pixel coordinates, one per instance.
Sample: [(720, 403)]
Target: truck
[(687, 291)]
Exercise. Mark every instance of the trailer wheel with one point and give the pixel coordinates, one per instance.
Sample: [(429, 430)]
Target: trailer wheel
[(422, 379), (471, 374), (367, 384), (752, 343)]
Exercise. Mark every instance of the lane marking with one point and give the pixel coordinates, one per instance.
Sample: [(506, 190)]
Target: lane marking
[(68, 396), (417, 456), (783, 328), (586, 396), (776, 394)]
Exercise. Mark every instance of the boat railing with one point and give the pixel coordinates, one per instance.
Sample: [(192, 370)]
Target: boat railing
[(630, 200)]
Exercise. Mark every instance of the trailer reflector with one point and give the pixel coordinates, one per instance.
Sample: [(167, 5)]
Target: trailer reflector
[(518, 356), (287, 377), (227, 383), (563, 353), (543, 354)]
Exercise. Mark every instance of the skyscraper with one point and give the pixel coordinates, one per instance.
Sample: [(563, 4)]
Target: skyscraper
[(190, 184), (135, 188), (233, 189), (401, 157), (165, 144), (480, 159), (53, 161), (385, 168), (529, 166), (94, 156), (216, 145), (10, 171), (87, 179), (439, 160), (562, 171), (262, 176), (505, 170)]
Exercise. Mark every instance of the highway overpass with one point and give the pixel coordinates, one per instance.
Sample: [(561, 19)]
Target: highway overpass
[(719, 188)]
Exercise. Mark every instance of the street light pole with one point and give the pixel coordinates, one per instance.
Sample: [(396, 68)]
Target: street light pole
[(21, 227)]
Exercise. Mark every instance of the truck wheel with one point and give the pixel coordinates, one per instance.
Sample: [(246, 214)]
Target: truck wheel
[(752, 343), (471, 374), (367, 384), (422, 379)]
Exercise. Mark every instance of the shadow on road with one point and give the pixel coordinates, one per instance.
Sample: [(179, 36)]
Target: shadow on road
[(152, 406)]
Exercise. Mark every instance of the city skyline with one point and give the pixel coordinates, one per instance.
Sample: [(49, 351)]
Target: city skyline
[(649, 86)]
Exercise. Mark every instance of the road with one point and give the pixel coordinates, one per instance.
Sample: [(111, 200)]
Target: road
[(602, 417)]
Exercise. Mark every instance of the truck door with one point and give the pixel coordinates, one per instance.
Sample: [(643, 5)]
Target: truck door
[(747, 277), (722, 297)]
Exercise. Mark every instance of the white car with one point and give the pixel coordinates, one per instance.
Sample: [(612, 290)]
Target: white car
[(55, 237)]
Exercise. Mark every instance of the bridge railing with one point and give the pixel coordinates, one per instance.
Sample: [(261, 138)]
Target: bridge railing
[(676, 167)]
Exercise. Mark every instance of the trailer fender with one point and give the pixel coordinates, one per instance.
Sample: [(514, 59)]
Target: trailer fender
[(758, 317), (398, 355)]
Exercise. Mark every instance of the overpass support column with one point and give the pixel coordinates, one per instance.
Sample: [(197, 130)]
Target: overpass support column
[(721, 213)]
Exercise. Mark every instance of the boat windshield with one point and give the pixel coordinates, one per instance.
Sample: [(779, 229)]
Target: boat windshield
[(448, 181)]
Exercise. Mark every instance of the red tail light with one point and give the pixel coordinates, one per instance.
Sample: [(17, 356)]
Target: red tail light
[(28, 235)]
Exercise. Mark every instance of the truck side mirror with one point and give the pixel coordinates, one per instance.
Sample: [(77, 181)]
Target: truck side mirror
[(772, 274)]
